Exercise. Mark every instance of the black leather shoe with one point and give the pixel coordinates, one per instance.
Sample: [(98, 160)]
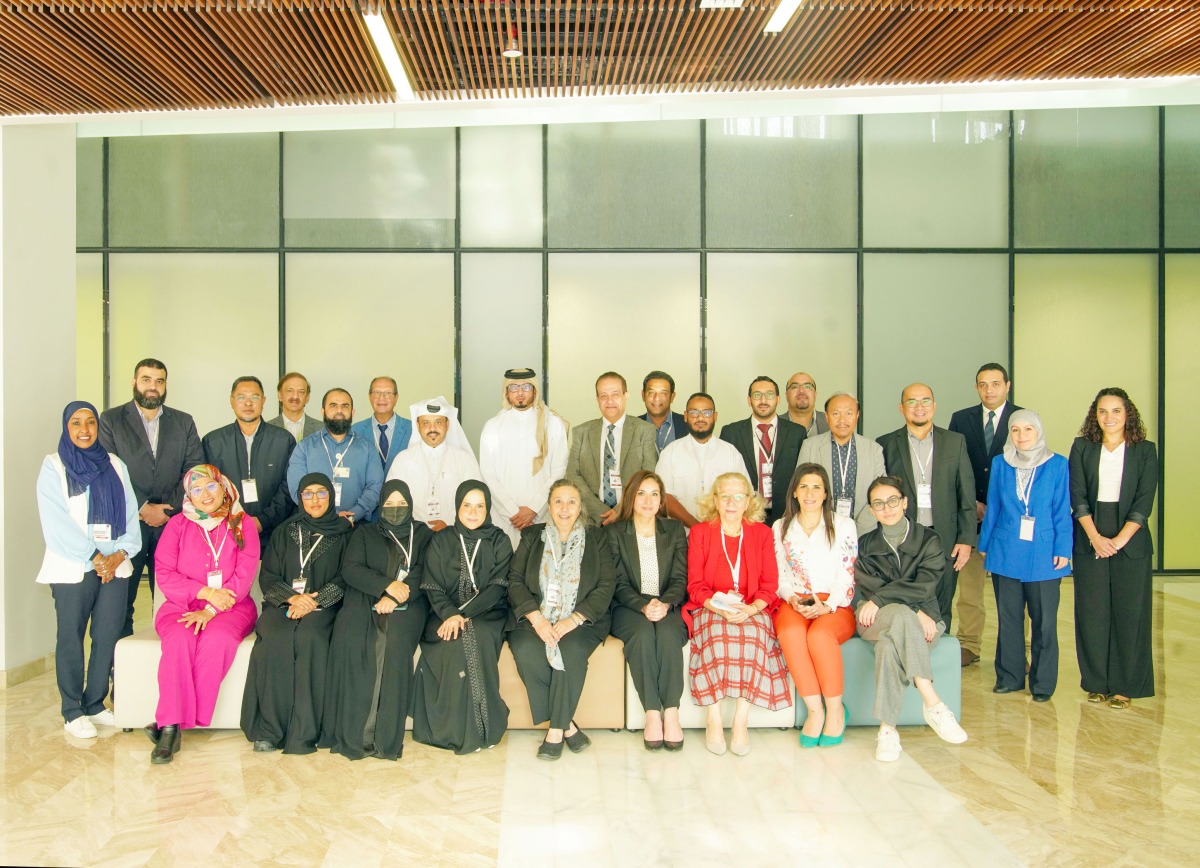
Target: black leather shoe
[(549, 751), (169, 740), (152, 732), (579, 741), (1000, 688), (1041, 697), (263, 746)]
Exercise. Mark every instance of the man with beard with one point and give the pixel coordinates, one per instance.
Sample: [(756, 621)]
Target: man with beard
[(689, 467), (293, 392), (768, 444), (388, 432), (436, 462), (349, 461), (801, 394), (254, 455), (157, 443)]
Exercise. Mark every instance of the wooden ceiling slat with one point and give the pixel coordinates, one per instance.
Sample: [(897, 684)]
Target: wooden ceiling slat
[(344, 64), (462, 36), (426, 74)]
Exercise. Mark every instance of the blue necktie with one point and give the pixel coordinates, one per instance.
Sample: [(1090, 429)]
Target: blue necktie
[(610, 464), (383, 444), (989, 431)]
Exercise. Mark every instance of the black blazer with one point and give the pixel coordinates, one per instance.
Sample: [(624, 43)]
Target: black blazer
[(969, 423), (670, 539), (678, 423), (225, 449), (1139, 483), (911, 580), (788, 440), (952, 480), (595, 577), (156, 479)]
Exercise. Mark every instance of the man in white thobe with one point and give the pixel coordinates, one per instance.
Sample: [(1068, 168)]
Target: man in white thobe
[(436, 462)]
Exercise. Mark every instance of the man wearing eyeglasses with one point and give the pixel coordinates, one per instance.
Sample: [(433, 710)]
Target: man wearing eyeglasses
[(387, 433), (690, 466), (522, 450), (801, 395), (852, 461), (769, 445), (254, 456), (935, 468)]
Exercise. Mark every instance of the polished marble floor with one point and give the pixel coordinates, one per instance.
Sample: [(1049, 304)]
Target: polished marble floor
[(1065, 783)]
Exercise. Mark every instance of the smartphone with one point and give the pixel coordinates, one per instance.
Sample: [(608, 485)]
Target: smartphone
[(808, 601)]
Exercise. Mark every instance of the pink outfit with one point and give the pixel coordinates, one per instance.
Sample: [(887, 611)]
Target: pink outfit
[(192, 666)]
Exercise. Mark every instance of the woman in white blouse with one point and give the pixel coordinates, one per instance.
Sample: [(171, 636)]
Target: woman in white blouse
[(816, 550)]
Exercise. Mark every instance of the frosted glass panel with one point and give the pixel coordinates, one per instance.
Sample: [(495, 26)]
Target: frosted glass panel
[(782, 181), (935, 180), (211, 317), (628, 312), (89, 328), (369, 188), (1087, 178), (1181, 543), (1182, 163), (355, 316), (501, 187), (501, 296), (776, 314), (624, 184), (89, 193), (194, 191), (930, 318)]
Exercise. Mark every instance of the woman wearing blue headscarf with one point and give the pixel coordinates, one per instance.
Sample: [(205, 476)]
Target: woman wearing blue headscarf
[(89, 519)]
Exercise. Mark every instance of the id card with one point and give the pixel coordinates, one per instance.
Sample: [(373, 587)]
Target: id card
[(101, 533), (554, 594), (767, 469), (767, 484), (215, 578), (298, 586), (843, 507), (1027, 528), (337, 495), (925, 496), (341, 473), (433, 508), (614, 480), (249, 491)]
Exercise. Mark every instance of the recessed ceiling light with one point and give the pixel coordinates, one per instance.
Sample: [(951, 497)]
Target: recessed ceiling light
[(382, 37), (782, 15)]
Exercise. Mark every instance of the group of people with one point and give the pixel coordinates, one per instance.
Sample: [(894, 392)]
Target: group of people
[(761, 550)]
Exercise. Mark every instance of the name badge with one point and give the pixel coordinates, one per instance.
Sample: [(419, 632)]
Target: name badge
[(341, 473), (843, 506), (337, 495), (614, 480), (554, 594), (101, 533), (767, 469), (433, 508), (249, 491), (767, 485), (1027, 528), (401, 574), (298, 586), (925, 496), (215, 578)]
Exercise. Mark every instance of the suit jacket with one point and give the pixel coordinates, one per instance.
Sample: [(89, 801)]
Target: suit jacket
[(156, 478), (788, 439), (311, 425), (639, 451), (595, 578), (1006, 554), (366, 429), (670, 540), (951, 478), (706, 558), (819, 450), (969, 423), (678, 423), (225, 448), (1139, 483)]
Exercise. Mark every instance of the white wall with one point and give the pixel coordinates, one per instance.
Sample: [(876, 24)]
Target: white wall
[(37, 344)]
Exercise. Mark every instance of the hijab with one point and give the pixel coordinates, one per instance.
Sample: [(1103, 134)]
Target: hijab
[(328, 523), (91, 470), (230, 509), (389, 488), (1039, 453), (486, 529)]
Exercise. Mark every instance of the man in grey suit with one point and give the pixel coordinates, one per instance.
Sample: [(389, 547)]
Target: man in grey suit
[(935, 468), (293, 392), (157, 444), (859, 460), (607, 451)]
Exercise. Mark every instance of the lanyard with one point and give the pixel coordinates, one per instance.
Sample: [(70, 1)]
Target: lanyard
[(844, 469), (916, 455), (216, 552), (1028, 491), (304, 558), (470, 560), (340, 455), (408, 551), (735, 570)]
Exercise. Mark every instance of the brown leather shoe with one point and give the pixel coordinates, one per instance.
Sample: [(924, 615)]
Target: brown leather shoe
[(969, 657)]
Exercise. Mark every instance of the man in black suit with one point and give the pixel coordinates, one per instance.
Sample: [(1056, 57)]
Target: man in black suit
[(769, 445), (157, 444), (658, 393), (985, 428), (255, 456), (936, 471)]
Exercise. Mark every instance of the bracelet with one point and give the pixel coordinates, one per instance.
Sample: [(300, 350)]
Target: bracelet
[(208, 607), (578, 619)]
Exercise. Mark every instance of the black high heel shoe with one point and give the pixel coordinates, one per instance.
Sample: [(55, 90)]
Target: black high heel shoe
[(169, 740)]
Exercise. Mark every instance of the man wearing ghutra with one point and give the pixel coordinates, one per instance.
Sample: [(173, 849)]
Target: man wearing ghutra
[(436, 461), (522, 449)]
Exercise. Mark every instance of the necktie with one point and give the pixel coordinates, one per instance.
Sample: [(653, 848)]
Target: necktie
[(989, 431), (764, 453), (383, 444), (610, 465)]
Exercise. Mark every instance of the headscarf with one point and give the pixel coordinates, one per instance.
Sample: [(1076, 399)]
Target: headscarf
[(91, 470), (328, 523), (389, 488), (404, 540), (485, 529), (230, 509), (455, 438), (523, 375), (1038, 454)]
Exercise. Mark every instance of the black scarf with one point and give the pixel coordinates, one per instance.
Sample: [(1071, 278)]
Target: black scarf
[(328, 523)]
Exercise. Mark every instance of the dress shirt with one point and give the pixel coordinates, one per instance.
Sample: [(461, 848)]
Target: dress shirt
[(391, 433), (151, 426), (296, 429), (319, 454), (1112, 466), (999, 411), (921, 453), (249, 438), (665, 433), (648, 561)]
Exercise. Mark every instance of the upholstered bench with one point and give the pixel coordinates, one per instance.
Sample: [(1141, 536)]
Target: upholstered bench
[(602, 704), (858, 663)]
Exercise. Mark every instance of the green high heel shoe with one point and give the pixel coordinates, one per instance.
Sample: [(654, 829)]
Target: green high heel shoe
[(833, 740)]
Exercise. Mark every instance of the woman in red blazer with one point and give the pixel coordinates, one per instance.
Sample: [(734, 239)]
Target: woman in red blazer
[(735, 654)]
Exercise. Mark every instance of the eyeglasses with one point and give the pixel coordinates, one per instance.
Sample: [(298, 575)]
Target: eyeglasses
[(918, 402), (695, 414), (727, 498), (247, 399), (759, 396), (381, 394), (314, 495), (791, 387), (890, 503), (520, 387), (211, 487)]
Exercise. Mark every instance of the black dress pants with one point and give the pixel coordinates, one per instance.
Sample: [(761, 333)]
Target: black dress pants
[(1013, 597), (554, 694), (74, 605), (654, 652)]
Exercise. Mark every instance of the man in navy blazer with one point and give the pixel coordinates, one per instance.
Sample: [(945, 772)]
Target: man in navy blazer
[(767, 441), (158, 444), (387, 432), (985, 428), (658, 393)]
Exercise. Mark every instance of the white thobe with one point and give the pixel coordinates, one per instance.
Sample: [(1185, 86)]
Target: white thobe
[(688, 468), (507, 448), (433, 477)]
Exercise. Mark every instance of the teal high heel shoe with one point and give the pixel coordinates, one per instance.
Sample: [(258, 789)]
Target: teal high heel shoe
[(809, 740), (833, 740)]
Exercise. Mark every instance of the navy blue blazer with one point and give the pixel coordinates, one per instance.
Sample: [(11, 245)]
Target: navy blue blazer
[(1005, 553), (368, 429), (969, 423)]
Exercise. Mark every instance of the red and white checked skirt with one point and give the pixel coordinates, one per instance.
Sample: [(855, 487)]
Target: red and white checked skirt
[(741, 661)]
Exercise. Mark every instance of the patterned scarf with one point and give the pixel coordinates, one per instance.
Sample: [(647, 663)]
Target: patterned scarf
[(561, 570), (230, 509)]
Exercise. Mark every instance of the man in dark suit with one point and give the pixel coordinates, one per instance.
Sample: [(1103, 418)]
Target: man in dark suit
[(936, 471), (254, 456), (157, 444), (658, 393), (985, 428), (769, 445)]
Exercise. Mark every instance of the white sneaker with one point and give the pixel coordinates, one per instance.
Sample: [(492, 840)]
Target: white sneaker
[(941, 720), (80, 727), (103, 718), (887, 746)]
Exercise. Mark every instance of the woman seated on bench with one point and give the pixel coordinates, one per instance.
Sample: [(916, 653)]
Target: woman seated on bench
[(896, 605)]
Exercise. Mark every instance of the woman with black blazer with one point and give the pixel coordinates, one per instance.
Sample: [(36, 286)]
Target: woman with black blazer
[(560, 585), (650, 561), (1114, 477)]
